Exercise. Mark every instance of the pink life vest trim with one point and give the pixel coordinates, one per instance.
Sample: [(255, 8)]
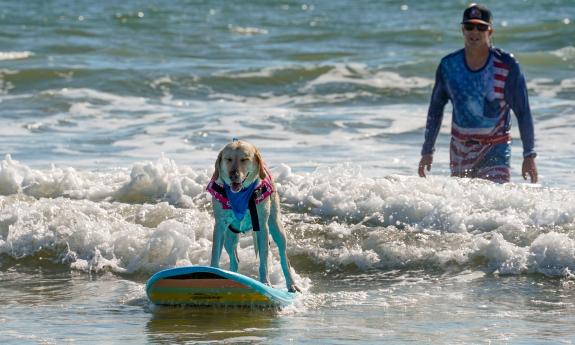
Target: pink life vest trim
[(263, 190)]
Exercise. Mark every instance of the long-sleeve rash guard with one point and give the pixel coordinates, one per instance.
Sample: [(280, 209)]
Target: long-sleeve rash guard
[(481, 100)]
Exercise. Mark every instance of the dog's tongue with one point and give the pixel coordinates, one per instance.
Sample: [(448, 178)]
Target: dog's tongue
[(236, 186)]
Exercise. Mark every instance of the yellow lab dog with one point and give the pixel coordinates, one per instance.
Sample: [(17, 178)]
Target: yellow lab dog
[(244, 198)]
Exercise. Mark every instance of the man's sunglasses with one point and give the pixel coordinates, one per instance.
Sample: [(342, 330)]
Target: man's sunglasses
[(480, 27)]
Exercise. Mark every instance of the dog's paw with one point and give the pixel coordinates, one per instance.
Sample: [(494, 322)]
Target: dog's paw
[(294, 288)]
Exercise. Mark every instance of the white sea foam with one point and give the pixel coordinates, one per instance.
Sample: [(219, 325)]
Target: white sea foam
[(452, 205), (115, 237), (4, 85), (550, 88), (565, 53), (157, 215), (359, 74), (15, 55), (249, 31), (343, 192)]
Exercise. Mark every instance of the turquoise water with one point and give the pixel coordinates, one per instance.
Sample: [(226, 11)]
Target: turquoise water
[(112, 114)]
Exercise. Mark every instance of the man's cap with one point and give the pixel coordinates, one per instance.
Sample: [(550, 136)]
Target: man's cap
[(476, 14)]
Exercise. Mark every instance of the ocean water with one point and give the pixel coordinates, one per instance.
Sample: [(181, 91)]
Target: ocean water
[(112, 114)]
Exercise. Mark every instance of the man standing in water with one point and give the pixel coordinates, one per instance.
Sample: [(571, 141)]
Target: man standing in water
[(483, 84)]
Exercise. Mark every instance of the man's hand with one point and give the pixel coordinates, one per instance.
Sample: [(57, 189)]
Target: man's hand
[(425, 163), (528, 168)]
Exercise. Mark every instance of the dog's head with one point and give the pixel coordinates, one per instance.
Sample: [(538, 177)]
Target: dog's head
[(238, 165)]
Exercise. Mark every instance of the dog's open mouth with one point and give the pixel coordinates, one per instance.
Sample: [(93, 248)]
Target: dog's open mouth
[(236, 186)]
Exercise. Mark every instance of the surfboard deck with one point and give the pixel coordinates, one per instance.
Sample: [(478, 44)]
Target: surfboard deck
[(209, 286)]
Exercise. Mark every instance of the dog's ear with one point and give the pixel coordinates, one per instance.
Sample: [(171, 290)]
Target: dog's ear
[(216, 174), (260, 161)]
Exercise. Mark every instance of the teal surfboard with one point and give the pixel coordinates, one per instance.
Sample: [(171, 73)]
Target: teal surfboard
[(209, 286)]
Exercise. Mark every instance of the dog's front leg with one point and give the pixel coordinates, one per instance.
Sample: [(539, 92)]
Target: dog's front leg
[(220, 227), (231, 245), (279, 237), (263, 248), (217, 244)]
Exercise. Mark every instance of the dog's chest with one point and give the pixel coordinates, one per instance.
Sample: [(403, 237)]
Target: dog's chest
[(244, 225)]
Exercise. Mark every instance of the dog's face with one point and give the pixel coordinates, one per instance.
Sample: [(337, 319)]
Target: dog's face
[(239, 164)]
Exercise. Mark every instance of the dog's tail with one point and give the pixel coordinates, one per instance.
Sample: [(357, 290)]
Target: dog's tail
[(256, 247)]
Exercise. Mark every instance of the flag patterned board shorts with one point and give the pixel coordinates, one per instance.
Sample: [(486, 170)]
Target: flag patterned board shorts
[(474, 159)]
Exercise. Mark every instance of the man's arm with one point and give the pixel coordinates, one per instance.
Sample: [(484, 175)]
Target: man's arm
[(518, 100), (434, 118)]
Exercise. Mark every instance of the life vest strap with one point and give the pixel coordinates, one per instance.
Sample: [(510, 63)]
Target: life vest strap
[(251, 206), (254, 212)]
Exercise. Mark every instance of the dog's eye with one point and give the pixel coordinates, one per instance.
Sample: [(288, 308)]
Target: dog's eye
[(228, 159), (245, 159)]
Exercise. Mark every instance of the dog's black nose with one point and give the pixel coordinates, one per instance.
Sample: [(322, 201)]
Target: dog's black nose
[(234, 174)]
